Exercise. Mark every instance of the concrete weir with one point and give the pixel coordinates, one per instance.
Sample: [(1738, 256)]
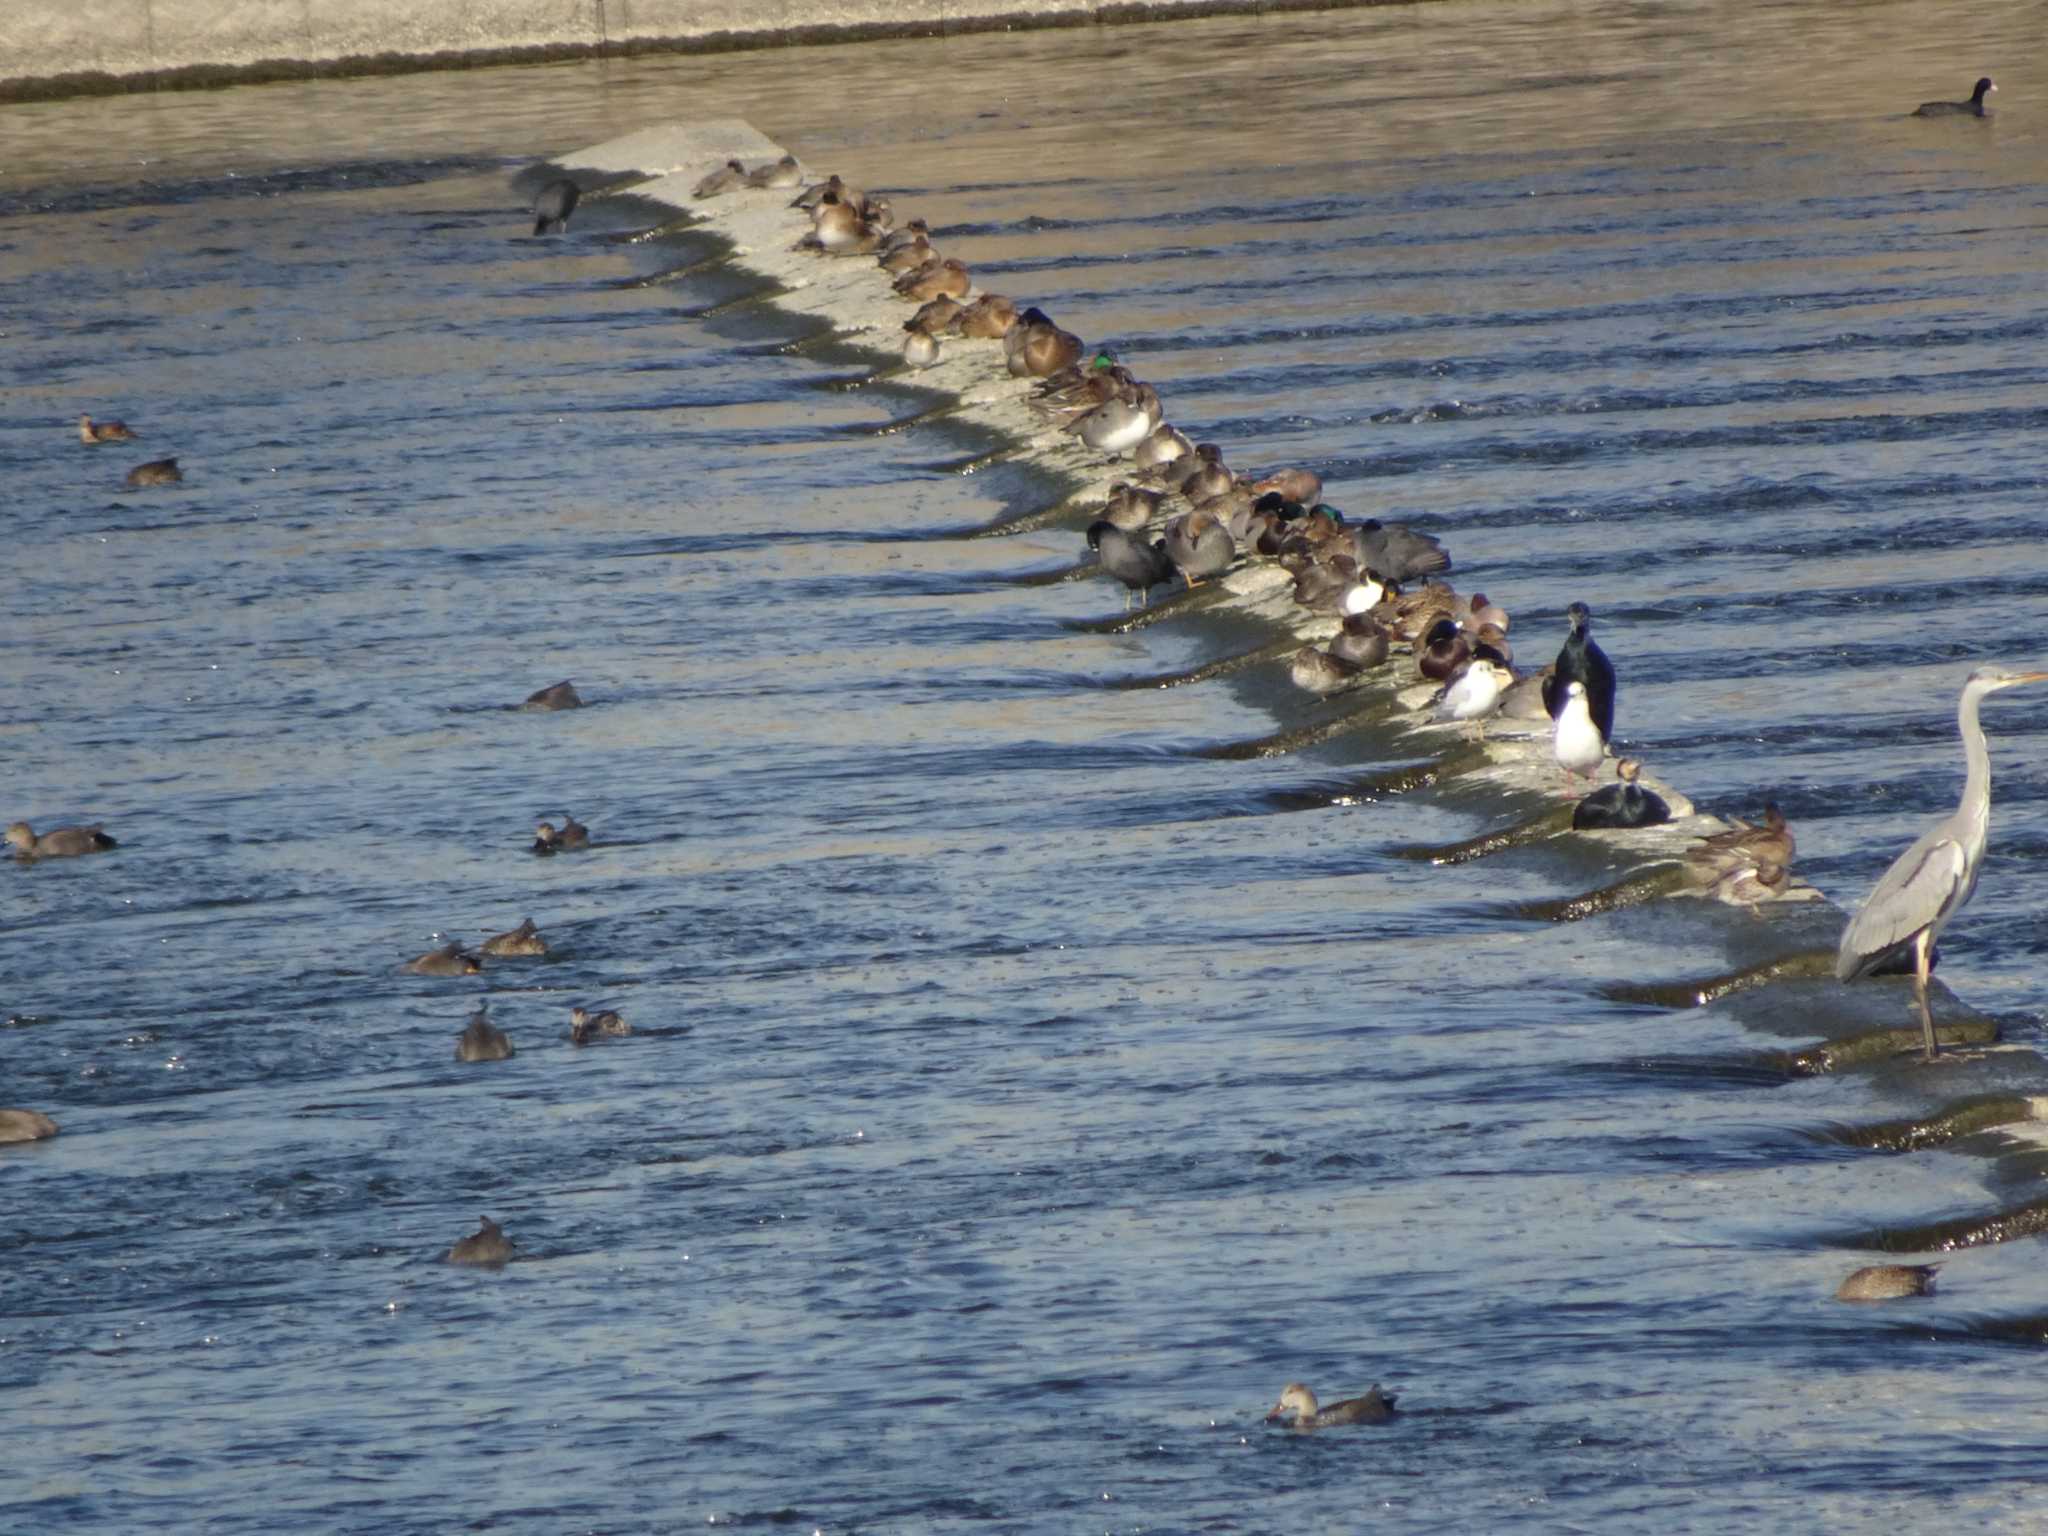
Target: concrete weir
[(1510, 775)]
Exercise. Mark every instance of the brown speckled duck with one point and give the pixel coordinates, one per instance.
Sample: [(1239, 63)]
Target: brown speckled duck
[(64, 843)]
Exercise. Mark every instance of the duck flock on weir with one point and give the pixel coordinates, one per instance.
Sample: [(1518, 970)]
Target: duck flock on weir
[(1183, 514)]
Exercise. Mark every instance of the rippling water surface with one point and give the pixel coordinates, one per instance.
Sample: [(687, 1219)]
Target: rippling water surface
[(1020, 1094)]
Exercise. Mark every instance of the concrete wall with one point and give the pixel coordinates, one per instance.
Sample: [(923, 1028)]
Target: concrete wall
[(70, 47)]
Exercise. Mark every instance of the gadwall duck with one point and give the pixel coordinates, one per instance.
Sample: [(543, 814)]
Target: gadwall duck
[(572, 836), (944, 278), (1166, 444), (64, 843), (156, 472), (1580, 660), (1622, 804), (988, 318), (1974, 107), (1131, 507), (1119, 423), (1578, 744), (90, 431), (1361, 641), (25, 1125), (448, 960), (1321, 672), (1888, 1282), (1769, 841), (728, 176), (585, 1026), (1138, 563), (776, 175), (898, 259), (1298, 1407), (488, 1245), (1034, 347), (1199, 547), (562, 695), (551, 209), (525, 940), (940, 317), (482, 1040), (1303, 487)]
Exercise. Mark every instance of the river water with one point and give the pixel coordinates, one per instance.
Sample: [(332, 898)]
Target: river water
[(1021, 1093)]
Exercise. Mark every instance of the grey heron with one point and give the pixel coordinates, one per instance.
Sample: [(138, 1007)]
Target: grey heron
[(1928, 883)]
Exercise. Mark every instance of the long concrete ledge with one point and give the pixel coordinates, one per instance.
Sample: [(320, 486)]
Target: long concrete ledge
[(54, 48)]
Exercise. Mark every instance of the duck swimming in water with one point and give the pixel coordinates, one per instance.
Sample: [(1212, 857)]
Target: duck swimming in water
[(572, 836), (448, 960), (551, 209), (1298, 1407), (1622, 804), (1580, 660), (482, 1040), (25, 1125), (64, 843), (1888, 1282), (525, 940), (156, 472), (562, 695), (585, 1026), (90, 431), (488, 1246)]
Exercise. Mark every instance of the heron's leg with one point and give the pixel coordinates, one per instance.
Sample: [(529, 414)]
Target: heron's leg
[(1921, 945)]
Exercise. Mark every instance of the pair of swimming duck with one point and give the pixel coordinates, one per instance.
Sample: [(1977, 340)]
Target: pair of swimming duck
[(451, 959), (481, 1040), (155, 472)]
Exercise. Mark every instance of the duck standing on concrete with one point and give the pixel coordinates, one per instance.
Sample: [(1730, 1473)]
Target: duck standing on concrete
[(727, 177), (1199, 547), (776, 175)]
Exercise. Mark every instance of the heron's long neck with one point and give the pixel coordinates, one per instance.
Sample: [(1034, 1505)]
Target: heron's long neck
[(1977, 773)]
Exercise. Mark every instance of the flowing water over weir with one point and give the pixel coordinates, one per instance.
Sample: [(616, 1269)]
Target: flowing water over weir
[(1052, 1031)]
